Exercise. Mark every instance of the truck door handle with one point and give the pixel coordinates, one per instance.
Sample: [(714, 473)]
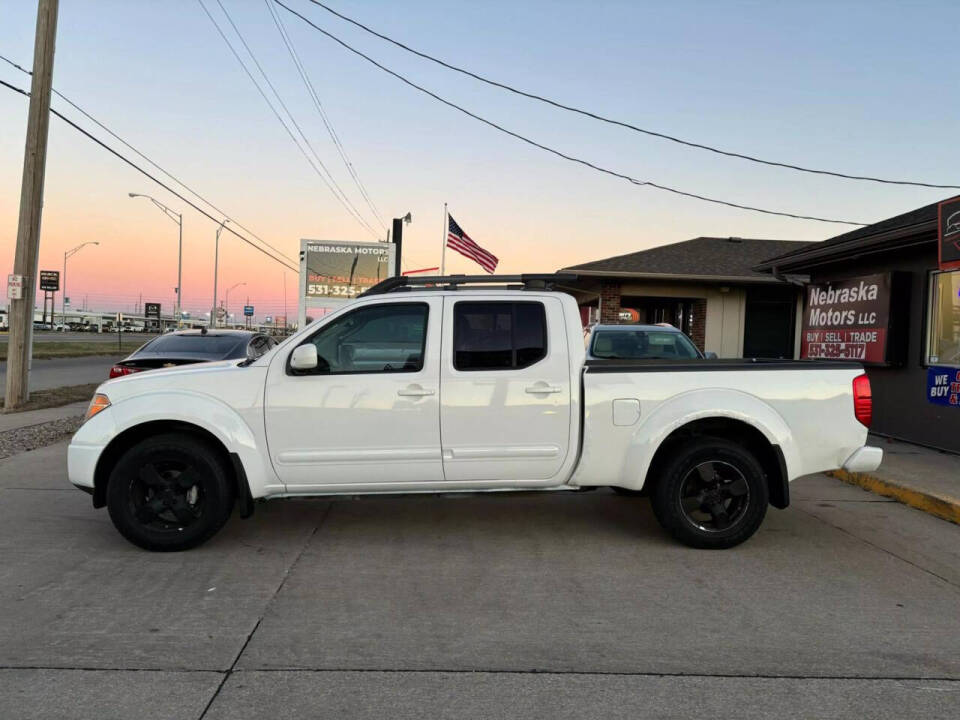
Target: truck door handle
[(543, 389), (415, 391)]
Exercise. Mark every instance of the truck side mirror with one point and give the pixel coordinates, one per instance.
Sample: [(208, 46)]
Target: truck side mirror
[(709, 356), (304, 358)]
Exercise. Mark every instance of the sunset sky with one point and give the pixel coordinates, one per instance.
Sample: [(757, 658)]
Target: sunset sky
[(864, 88)]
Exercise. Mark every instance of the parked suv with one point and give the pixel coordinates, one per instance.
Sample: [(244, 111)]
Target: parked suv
[(641, 342)]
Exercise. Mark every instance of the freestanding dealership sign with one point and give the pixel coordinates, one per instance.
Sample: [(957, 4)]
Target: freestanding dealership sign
[(335, 271), (849, 319), (949, 233)]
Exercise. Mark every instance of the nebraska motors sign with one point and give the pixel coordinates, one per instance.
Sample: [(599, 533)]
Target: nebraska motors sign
[(848, 319)]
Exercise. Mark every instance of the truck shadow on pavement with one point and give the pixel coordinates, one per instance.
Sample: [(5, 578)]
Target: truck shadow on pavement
[(483, 517)]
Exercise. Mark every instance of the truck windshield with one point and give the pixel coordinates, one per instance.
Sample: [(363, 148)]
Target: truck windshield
[(642, 344)]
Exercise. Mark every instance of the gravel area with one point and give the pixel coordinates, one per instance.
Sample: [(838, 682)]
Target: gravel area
[(36, 436)]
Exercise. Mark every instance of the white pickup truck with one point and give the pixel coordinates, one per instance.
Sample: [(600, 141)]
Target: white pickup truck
[(448, 385)]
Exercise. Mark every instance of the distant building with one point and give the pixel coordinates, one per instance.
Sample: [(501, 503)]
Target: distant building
[(707, 287)]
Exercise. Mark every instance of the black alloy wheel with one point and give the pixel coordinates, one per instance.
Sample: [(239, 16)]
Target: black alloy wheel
[(170, 492), (714, 495), (710, 493), (166, 495)]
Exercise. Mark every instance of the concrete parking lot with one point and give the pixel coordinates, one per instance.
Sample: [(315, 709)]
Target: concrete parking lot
[(543, 606)]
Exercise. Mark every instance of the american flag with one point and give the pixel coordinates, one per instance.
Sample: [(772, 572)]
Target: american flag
[(458, 240)]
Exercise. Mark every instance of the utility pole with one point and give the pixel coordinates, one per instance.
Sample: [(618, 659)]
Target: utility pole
[(31, 207)]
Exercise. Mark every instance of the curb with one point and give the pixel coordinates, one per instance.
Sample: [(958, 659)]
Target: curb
[(944, 507)]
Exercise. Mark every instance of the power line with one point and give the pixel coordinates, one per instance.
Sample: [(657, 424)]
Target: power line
[(170, 175), (323, 174), (331, 183), (553, 151), (155, 179), (293, 120), (311, 90), (621, 123)]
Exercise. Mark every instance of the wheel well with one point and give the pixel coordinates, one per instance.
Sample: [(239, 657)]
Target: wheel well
[(131, 436), (769, 456)]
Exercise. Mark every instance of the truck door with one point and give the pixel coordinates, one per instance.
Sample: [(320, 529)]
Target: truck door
[(370, 412), (505, 381)]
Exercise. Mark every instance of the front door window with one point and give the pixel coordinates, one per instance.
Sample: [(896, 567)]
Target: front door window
[(375, 339)]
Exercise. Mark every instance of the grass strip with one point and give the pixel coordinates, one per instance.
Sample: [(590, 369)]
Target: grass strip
[(56, 397)]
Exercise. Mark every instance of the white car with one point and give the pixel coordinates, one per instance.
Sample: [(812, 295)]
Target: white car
[(460, 387)]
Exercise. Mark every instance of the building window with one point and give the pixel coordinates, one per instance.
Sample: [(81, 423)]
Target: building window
[(943, 332)]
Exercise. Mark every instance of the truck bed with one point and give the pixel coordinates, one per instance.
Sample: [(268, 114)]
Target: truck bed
[(804, 408)]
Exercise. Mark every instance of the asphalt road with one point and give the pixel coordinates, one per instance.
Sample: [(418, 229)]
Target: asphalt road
[(524, 606), (58, 372)]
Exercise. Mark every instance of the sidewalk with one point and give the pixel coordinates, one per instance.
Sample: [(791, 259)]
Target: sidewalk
[(17, 420), (917, 476)]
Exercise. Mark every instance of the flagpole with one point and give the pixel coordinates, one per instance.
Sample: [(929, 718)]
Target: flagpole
[(443, 247)]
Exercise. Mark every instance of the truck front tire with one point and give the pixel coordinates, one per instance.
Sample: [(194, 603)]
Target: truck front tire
[(170, 492), (712, 493)]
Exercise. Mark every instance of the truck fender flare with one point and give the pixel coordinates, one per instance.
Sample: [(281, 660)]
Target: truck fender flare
[(248, 460), (700, 405)]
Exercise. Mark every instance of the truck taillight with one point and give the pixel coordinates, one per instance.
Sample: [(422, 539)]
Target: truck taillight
[(121, 370), (862, 400)]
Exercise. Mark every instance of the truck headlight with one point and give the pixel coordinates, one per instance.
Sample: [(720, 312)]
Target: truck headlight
[(97, 403)]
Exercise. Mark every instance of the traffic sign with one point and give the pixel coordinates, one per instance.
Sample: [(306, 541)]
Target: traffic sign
[(248, 310), (50, 280), (14, 287), (151, 310)]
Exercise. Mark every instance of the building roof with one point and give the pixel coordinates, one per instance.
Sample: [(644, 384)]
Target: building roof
[(886, 234), (703, 258)]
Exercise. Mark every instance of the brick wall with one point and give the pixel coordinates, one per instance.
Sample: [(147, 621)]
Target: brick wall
[(698, 324), (610, 302)]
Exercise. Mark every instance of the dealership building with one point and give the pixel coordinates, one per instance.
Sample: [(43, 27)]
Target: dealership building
[(708, 287), (889, 295)]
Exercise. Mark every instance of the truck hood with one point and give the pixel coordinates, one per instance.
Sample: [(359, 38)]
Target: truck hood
[(224, 379)]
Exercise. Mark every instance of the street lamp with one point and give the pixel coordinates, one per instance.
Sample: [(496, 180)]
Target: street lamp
[(63, 298), (178, 219), (226, 298), (216, 260)]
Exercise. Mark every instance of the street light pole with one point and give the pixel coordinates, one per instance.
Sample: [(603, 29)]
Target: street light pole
[(216, 260), (180, 271), (226, 299), (63, 288), (178, 219)]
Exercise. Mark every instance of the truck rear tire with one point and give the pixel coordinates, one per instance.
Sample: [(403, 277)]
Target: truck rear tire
[(711, 494), (170, 492)]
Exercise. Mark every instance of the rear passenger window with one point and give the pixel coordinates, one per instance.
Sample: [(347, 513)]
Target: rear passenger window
[(498, 335)]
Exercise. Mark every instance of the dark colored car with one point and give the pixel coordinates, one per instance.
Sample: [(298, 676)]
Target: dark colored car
[(184, 347)]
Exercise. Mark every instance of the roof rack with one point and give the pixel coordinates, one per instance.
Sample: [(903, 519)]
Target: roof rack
[(527, 281)]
